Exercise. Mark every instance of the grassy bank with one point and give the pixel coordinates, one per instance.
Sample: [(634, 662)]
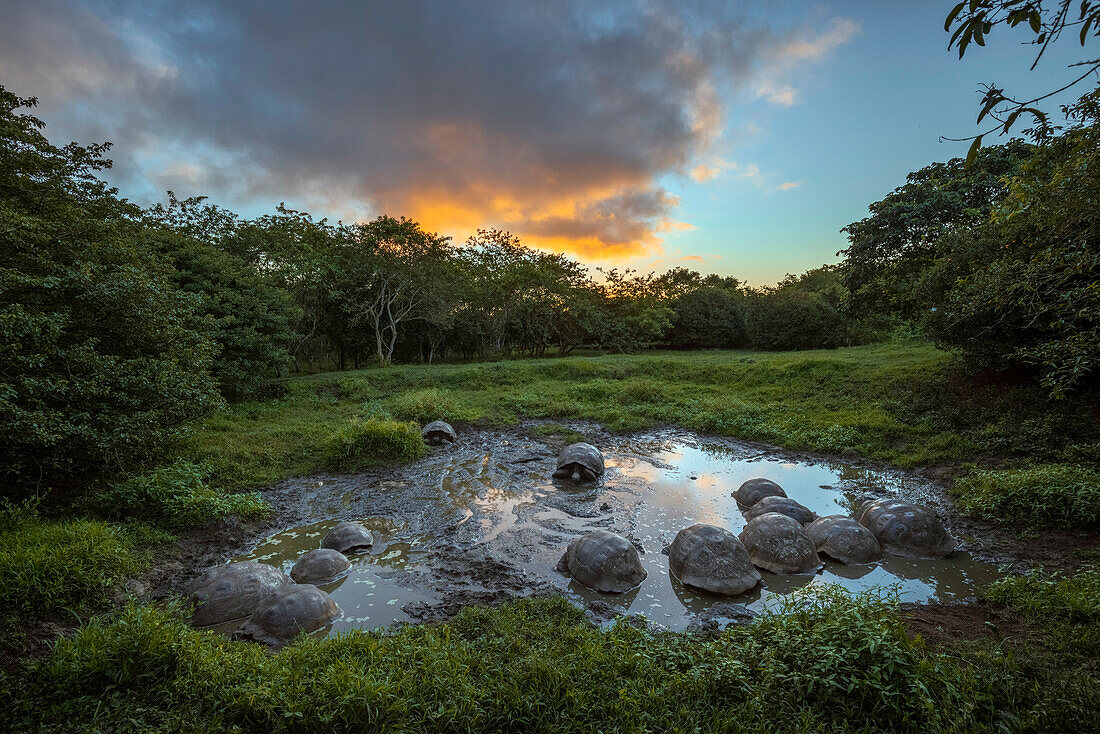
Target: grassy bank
[(900, 403), (830, 663)]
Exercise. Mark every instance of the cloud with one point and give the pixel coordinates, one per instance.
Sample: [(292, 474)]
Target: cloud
[(788, 185), (555, 120), (695, 258), (807, 47)]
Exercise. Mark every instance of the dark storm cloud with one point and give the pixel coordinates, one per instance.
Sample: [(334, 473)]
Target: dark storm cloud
[(554, 119)]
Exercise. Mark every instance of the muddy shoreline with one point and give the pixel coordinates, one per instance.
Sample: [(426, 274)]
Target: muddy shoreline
[(472, 560)]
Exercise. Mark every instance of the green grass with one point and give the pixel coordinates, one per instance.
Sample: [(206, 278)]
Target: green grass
[(902, 403), (176, 496), (1043, 496), (64, 569), (364, 443), (834, 664)]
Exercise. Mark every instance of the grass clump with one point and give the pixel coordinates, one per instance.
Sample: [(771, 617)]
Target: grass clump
[(364, 443), (1041, 597), (562, 433), (176, 496), (1051, 495), (53, 569), (841, 663)]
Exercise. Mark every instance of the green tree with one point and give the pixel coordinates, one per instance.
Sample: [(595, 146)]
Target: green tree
[(1025, 289), (708, 318), (891, 250), (102, 359)]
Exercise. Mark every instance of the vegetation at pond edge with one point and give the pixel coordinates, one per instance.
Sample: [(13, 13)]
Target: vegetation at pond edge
[(826, 662)]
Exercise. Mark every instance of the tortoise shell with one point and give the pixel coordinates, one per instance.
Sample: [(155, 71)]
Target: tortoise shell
[(348, 537), (906, 530), (782, 505), (844, 539), (319, 565), (289, 611), (712, 559), (233, 591), (603, 561), (754, 490), (438, 432), (779, 544), (580, 462)]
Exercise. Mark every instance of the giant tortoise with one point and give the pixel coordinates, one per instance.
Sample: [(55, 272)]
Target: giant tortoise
[(754, 490), (842, 538), (782, 505), (779, 544), (580, 462), (906, 530), (233, 591), (603, 561), (348, 537), (320, 565), (437, 433), (713, 559), (289, 611)]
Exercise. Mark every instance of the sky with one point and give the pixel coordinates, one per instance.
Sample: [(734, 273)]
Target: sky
[(734, 138)]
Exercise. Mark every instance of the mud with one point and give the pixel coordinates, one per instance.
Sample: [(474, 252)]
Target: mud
[(480, 521)]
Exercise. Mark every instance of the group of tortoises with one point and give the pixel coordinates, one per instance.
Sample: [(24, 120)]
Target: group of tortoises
[(272, 606), (781, 536)]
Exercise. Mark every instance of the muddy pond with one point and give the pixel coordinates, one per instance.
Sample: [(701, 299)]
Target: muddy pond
[(481, 520)]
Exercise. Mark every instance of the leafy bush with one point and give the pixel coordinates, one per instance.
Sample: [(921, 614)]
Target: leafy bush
[(102, 360), (535, 664), (792, 318), (1052, 495), (48, 568), (364, 443), (177, 496), (709, 318)]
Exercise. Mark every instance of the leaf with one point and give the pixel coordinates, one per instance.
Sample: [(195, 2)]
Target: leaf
[(952, 15), (1011, 119), (974, 148), (1085, 29), (1035, 20)]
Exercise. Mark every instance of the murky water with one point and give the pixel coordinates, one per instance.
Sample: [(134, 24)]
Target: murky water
[(481, 520)]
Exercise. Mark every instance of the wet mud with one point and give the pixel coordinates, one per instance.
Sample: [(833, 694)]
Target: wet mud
[(481, 521)]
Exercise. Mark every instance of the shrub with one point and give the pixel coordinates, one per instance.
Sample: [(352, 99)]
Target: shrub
[(709, 318), (102, 360), (791, 318), (1052, 495), (176, 496), (48, 568), (364, 443)]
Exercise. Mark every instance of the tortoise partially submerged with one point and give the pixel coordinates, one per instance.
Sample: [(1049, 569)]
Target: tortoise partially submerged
[(906, 530), (233, 591), (779, 544), (754, 490), (712, 559), (320, 565), (348, 537), (782, 505), (842, 538), (290, 611), (580, 462), (437, 433), (603, 561)]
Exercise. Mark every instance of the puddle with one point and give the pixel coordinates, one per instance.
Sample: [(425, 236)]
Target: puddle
[(481, 521)]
